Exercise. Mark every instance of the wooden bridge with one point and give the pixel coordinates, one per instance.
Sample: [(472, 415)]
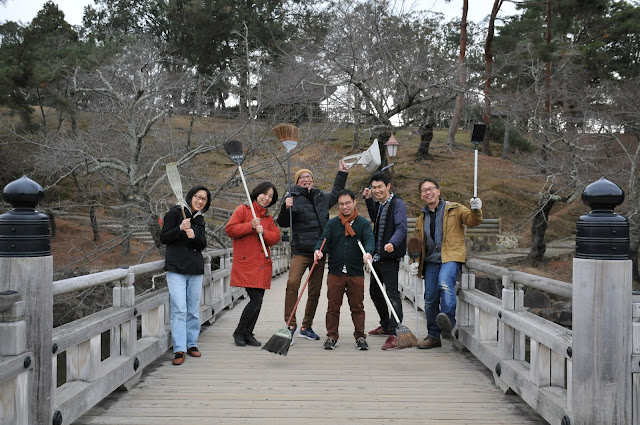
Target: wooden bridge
[(64, 375), (246, 385)]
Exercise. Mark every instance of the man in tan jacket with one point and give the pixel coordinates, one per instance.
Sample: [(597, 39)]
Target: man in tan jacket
[(441, 233)]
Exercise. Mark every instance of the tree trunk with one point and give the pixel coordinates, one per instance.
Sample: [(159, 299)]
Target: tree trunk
[(382, 133), (357, 101), (94, 223), (488, 70), (539, 227), (457, 109), (426, 135), (155, 229), (505, 140)]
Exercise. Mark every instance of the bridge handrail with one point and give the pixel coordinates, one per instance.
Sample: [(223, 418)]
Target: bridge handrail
[(91, 373), (552, 286), (497, 330)]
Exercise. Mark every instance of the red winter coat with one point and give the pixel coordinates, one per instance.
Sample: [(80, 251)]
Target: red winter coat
[(250, 268)]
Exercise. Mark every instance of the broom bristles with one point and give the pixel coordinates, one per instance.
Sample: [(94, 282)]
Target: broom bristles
[(233, 147), (279, 343), (406, 338), (287, 132), (414, 248)]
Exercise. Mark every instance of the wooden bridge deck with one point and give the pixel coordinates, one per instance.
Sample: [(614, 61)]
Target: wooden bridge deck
[(247, 385)]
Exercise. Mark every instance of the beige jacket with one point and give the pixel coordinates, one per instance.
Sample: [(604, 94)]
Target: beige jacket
[(453, 246)]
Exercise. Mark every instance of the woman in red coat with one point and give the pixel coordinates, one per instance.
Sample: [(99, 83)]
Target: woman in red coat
[(251, 269)]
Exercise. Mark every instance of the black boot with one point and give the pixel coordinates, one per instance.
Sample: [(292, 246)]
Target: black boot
[(250, 340), (239, 339), (248, 334)]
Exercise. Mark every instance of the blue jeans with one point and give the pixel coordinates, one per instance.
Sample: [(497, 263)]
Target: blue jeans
[(440, 293), (184, 295)]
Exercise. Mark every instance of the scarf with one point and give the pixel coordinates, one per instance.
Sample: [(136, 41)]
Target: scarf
[(346, 222)]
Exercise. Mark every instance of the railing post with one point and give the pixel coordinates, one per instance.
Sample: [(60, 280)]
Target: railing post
[(125, 337), (26, 266), (511, 342), (602, 317), (13, 342)]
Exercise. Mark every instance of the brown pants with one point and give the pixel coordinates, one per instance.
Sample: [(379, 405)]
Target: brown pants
[(336, 287), (299, 264)]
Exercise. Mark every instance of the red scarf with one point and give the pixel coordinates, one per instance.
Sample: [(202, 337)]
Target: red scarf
[(346, 222)]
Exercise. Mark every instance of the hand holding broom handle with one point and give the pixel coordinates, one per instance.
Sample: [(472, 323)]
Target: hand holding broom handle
[(295, 307), (176, 185), (289, 135), (234, 150), (477, 136), (253, 211), (373, 272)]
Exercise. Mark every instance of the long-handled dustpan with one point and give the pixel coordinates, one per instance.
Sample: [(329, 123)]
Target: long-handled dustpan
[(406, 338)]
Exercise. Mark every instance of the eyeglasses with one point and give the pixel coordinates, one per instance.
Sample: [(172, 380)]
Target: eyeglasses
[(200, 198), (305, 177), (428, 189)]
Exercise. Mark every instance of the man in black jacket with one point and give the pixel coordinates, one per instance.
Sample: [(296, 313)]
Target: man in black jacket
[(309, 214), (389, 216)]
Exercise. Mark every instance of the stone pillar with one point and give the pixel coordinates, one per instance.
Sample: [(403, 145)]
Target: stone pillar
[(600, 390), (26, 266)]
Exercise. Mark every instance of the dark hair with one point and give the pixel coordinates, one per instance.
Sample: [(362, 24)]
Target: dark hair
[(379, 177), (428, 179), (263, 188), (344, 192), (193, 191)]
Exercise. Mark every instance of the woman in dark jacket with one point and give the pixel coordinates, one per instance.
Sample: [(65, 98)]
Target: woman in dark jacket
[(251, 268), (185, 239)]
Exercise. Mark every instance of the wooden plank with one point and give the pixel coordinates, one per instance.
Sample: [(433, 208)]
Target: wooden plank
[(246, 385)]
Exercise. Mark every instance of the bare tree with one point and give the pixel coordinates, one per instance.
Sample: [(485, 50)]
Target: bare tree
[(462, 74)]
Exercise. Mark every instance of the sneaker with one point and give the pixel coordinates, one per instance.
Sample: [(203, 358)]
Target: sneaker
[(429, 342), (443, 322), (391, 343), (293, 332), (308, 333), (330, 344), (361, 343), (379, 331)]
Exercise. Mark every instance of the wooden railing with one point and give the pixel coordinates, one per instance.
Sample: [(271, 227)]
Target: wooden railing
[(138, 332), (488, 226), (534, 357)]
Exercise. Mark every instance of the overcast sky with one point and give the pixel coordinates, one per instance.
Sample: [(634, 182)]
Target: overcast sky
[(26, 10)]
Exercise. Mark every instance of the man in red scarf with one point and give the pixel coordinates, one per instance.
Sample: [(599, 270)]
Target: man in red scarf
[(346, 263)]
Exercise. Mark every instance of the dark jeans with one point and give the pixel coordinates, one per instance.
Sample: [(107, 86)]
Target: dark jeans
[(251, 311), (299, 264), (336, 288), (387, 271)]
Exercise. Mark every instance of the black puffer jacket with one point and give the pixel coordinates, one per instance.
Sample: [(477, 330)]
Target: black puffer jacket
[(310, 214), (183, 254)]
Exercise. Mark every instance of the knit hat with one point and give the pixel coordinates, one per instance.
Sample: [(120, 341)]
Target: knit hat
[(299, 172)]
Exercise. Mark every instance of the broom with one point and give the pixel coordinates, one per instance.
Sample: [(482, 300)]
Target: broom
[(280, 342), (406, 338), (234, 150), (414, 249), (176, 185), (289, 135)]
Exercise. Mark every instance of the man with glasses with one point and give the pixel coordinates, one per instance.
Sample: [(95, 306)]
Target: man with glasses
[(309, 214), (389, 216), (441, 233), (346, 274)]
